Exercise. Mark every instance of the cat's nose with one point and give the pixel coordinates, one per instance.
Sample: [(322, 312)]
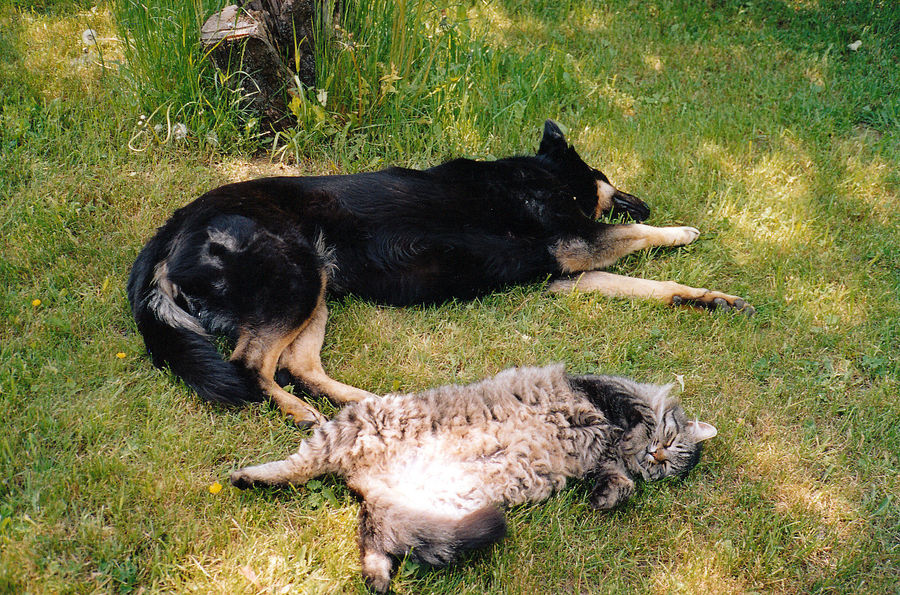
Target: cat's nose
[(659, 455)]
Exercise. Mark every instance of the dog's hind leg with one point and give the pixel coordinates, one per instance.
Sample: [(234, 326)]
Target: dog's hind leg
[(302, 360), (259, 350), (668, 292)]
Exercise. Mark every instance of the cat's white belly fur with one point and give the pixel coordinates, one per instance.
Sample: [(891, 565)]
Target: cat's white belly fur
[(452, 477)]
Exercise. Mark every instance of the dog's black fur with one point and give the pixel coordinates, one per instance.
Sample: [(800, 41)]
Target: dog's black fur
[(253, 260)]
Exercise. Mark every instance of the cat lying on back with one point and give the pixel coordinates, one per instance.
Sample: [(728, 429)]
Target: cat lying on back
[(432, 467)]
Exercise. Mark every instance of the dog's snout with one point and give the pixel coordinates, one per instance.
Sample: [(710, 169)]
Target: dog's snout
[(630, 205)]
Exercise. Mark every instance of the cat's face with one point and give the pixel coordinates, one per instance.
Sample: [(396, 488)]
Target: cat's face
[(674, 443)]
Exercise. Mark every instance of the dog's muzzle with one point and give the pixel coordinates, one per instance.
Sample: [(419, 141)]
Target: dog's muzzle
[(628, 204)]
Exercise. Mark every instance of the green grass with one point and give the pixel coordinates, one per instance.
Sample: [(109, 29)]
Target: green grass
[(750, 120)]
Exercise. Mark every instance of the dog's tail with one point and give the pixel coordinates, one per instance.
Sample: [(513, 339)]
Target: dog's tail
[(176, 338), (432, 539)]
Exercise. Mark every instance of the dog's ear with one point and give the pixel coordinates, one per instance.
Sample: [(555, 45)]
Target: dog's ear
[(553, 141)]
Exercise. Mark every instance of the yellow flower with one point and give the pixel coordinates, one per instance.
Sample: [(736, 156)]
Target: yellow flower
[(215, 488), (35, 302), (120, 355)]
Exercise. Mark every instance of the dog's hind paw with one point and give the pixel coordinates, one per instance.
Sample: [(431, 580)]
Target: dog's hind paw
[(302, 414), (713, 300)]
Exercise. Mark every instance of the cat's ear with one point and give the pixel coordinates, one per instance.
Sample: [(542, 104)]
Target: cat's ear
[(660, 400), (701, 431)]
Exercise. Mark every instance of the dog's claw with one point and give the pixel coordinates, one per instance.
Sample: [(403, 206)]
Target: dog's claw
[(721, 302), (304, 424), (302, 415)]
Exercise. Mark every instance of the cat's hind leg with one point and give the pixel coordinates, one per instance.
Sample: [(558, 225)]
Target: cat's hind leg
[(389, 530), (377, 565)]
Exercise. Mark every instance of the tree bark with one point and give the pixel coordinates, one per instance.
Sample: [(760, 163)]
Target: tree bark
[(291, 23)]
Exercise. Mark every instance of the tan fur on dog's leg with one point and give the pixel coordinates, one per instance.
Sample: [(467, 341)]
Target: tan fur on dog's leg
[(578, 254), (302, 358), (669, 292), (260, 352)]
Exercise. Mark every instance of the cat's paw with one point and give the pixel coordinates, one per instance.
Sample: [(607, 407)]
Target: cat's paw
[(613, 492), (241, 479), (376, 571)]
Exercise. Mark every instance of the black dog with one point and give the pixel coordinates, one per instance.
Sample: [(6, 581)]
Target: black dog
[(253, 260)]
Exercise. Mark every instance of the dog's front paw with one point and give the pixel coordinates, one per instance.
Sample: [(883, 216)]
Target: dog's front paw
[(681, 236)]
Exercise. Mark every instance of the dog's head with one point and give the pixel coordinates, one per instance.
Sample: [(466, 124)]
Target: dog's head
[(593, 191)]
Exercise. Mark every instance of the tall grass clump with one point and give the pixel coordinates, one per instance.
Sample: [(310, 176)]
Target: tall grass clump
[(404, 73), (391, 76), (380, 64), (170, 77)]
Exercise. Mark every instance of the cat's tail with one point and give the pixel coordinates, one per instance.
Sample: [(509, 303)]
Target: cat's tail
[(431, 538)]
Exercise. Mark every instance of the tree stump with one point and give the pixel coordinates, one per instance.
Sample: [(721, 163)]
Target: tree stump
[(291, 23), (256, 42)]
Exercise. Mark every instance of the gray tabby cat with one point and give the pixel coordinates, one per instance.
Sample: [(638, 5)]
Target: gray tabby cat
[(432, 467)]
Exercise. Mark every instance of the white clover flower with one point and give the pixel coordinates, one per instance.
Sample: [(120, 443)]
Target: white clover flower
[(89, 37), (322, 96), (855, 45)]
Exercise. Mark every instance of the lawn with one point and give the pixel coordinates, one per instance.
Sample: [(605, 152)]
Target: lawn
[(751, 120)]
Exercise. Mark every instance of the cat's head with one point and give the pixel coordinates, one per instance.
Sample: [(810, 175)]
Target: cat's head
[(669, 443)]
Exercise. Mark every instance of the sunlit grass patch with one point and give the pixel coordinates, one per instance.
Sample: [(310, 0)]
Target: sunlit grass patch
[(60, 57)]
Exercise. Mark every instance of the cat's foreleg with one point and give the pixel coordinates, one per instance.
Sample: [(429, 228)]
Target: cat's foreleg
[(612, 486), (300, 467)]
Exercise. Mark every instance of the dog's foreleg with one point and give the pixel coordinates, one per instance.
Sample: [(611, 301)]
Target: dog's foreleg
[(668, 292), (612, 242)]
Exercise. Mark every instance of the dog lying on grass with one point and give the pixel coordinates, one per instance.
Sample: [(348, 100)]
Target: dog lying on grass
[(254, 261), (432, 468)]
